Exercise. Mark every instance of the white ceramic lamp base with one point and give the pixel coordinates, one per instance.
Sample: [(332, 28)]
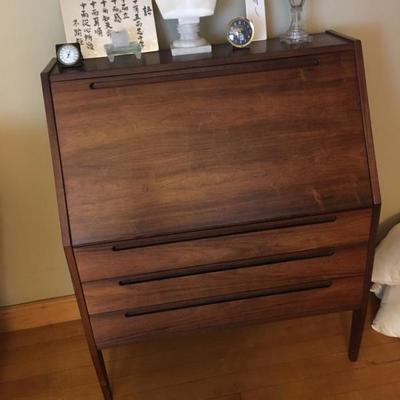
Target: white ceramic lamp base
[(189, 41)]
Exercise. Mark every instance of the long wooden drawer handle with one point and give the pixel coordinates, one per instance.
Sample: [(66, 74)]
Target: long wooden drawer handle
[(228, 298), (205, 72), (217, 232), (227, 266)]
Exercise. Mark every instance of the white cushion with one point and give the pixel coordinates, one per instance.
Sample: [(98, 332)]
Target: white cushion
[(391, 295), (387, 320), (387, 259), (378, 290)]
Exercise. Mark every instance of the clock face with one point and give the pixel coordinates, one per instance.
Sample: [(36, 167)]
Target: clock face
[(68, 54), (240, 32)]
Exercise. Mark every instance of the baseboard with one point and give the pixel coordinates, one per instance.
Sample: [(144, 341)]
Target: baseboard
[(38, 313)]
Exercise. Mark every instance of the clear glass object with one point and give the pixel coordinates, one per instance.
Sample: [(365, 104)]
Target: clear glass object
[(296, 32), (132, 49), (122, 46)]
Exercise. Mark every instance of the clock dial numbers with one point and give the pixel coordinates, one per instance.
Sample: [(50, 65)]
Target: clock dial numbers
[(240, 32), (69, 54)]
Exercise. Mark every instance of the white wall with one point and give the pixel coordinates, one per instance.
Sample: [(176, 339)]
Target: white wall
[(32, 264)]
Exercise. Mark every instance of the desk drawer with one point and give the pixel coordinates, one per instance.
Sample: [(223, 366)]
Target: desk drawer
[(299, 300), (139, 259), (140, 296)]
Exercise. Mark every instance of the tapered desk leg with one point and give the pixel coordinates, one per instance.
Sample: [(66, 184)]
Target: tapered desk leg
[(96, 354), (357, 327), (98, 361), (359, 316)]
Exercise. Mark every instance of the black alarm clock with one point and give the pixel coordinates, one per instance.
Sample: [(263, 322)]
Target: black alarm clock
[(240, 32), (69, 55)]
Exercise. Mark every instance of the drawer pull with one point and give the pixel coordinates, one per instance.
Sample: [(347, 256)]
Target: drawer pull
[(206, 72), (228, 298), (226, 266), (222, 231)]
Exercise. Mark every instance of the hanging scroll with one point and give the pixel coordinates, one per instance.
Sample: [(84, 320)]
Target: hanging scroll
[(90, 22)]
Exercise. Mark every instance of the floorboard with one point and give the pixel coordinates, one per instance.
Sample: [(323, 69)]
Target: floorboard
[(298, 359)]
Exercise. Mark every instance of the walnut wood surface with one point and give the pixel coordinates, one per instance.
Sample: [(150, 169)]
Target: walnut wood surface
[(367, 124), (109, 295), (55, 153), (170, 157), (115, 328), (222, 55), (286, 360), (95, 353), (101, 262), (172, 167), (359, 315)]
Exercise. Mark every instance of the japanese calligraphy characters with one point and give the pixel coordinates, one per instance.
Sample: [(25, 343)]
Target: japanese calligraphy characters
[(90, 22)]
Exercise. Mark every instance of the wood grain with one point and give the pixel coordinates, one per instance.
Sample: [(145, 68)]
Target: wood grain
[(101, 262), (295, 147), (182, 176), (38, 313), (114, 328), (96, 355), (360, 314), (55, 152), (366, 115), (221, 56), (252, 363), (108, 295)]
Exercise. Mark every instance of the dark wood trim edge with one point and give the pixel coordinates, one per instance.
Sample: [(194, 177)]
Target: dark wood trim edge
[(55, 153), (96, 355), (206, 72), (185, 66), (339, 35), (367, 123), (359, 316)]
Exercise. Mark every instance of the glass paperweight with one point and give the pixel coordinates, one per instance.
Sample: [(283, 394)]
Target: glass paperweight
[(296, 33), (122, 46)]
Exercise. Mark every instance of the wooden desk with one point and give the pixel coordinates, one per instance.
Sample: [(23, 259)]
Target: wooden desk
[(215, 191)]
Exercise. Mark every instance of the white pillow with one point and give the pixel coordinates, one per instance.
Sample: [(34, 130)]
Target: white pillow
[(387, 259), (391, 295), (378, 290), (387, 320)]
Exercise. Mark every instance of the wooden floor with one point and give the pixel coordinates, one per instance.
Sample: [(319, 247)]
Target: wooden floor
[(297, 359)]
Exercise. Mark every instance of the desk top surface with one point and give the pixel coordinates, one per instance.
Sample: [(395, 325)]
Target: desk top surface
[(221, 54)]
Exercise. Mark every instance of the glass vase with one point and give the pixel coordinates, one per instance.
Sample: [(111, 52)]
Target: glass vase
[(296, 33)]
